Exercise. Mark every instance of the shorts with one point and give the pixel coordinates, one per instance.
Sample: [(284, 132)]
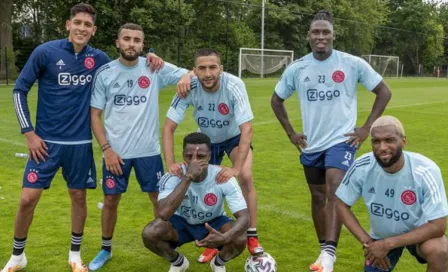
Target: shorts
[(78, 167), (188, 233), (339, 156), (394, 255), (227, 146), (148, 172)]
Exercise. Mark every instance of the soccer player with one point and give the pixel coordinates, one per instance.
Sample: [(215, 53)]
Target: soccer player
[(405, 197), (191, 208), (128, 93), (62, 138), (222, 111), (325, 81)]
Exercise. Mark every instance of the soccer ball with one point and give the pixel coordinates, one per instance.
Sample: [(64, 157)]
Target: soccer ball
[(260, 263)]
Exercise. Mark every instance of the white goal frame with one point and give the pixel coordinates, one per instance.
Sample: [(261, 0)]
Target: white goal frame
[(368, 58), (263, 52)]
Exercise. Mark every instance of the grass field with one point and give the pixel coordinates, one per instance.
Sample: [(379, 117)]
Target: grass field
[(285, 227)]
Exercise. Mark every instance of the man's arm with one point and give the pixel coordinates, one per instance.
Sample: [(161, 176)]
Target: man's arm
[(432, 229), (297, 139), (30, 73), (383, 96), (168, 205), (168, 147), (351, 222), (239, 227), (112, 160)]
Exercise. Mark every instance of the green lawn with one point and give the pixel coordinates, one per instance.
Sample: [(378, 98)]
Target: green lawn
[(285, 227)]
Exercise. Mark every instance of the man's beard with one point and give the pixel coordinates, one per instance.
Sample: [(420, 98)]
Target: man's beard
[(129, 57), (395, 158)]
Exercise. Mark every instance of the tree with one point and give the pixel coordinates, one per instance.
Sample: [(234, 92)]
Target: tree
[(6, 49)]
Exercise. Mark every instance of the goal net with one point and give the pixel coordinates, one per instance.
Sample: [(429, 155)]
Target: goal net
[(262, 62), (386, 66)]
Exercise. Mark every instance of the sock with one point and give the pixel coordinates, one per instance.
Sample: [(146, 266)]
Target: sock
[(19, 246), (178, 261), (322, 245), (107, 244), (219, 261), (330, 247), (76, 241), (74, 256), (252, 232)]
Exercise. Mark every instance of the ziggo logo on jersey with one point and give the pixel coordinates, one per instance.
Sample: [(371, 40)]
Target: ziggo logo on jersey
[(379, 210), (122, 100), (315, 95), (66, 79)]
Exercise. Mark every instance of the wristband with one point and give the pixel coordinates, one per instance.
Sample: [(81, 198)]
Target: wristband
[(188, 176)]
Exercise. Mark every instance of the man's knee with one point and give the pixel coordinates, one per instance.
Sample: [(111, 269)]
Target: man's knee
[(111, 201), (78, 197), (434, 250), (153, 230), (28, 202), (318, 195), (246, 180)]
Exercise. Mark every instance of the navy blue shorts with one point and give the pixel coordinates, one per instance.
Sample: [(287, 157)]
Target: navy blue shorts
[(148, 172), (339, 156), (188, 233), (226, 146), (394, 255), (78, 167)]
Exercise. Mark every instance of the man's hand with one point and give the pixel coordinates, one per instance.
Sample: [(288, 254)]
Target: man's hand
[(175, 169), (298, 140), (226, 173), (155, 61), (358, 137), (36, 146), (184, 85), (376, 254), (113, 162), (196, 166), (213, 240)]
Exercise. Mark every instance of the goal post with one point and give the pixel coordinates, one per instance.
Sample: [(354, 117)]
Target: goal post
[(384, 65), (263, 61)]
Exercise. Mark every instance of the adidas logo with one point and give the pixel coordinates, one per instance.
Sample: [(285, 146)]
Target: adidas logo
[(307, 79), (60, 63), (116, 85), (200, 108), (90, 180), (346, 163), (371, 190)]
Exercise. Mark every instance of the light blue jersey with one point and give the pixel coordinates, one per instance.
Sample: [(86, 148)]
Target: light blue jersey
[(204, 201), (400, 202), (217, 114), (129, 97), (327, 94)]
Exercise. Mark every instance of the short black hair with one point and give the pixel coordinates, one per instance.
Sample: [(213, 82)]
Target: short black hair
[(323, 15), (197, 138), (130, 26), (207, 52), (83, 7)]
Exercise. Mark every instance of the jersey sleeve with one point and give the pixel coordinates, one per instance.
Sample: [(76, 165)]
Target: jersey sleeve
[(178, 108), (350, 189), (167, 184), (30, 73), (285, 87), (434, 197), (234, 196), (98, 99), (368, 77), (170, 74), (243, 111)]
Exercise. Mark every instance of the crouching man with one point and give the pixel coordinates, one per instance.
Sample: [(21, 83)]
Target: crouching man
[(191, 208)]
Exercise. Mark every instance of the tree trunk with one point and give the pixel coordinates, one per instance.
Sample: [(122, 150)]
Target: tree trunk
[(5, 37)]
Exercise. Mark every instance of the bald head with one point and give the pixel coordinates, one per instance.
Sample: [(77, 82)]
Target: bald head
[(388, 120)]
